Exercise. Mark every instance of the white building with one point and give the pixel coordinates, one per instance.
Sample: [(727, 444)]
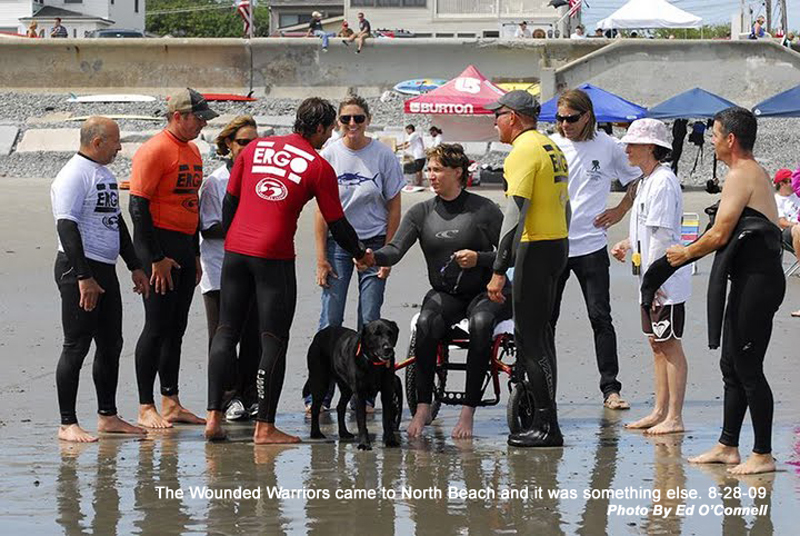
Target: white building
[(77, 16), (456, 18)]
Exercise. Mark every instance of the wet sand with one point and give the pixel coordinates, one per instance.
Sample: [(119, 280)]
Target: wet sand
[(112, 487)]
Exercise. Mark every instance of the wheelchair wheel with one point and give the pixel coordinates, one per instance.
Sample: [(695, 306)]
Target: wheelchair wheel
[(397, 402), (521, 406)]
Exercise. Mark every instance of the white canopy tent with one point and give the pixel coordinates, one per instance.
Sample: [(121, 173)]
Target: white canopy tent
[(649, 14)]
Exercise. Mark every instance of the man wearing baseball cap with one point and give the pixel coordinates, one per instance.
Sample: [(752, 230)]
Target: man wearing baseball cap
[(786, 199), (535, 174), (165, 179)]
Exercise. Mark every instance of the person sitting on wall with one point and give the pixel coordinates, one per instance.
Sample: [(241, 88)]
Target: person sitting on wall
[(522, 31), (346, 31)]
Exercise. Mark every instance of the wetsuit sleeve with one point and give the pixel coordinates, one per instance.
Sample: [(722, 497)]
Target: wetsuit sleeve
[(143, 226), (229, 206), (235, 180), (403, 239), (126, 249), (70, 238), (495, 223), (346, 237), (510, 232)]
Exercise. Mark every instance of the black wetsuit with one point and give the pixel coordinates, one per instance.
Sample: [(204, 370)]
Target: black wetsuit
[(443, 227), (752, 261)]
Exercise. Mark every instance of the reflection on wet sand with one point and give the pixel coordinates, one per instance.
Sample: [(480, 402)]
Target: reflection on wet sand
[(112, 487)]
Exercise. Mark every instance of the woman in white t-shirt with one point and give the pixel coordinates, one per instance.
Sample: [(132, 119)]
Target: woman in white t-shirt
[(370, 180), (654, 226), (230, 142)]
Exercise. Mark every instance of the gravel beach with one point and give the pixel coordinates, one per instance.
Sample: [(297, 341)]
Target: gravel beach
[(777, 145)]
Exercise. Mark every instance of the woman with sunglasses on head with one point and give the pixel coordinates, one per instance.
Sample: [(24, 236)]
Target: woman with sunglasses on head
[(242, 388), (370, 180), (594, 161), (458, 232)]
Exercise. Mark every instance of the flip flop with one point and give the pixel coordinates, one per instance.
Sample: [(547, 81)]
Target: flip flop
[(616, 403), (796, 314)]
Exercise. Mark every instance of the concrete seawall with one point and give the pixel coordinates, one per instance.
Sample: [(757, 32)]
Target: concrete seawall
[(646, 71)]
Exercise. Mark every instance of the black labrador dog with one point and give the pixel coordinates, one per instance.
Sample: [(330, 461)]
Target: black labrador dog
[(362, 364)]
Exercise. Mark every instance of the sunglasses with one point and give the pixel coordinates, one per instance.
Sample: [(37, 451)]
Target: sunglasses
[(241, 142), (498, 114), (345, 119), (568, 118)]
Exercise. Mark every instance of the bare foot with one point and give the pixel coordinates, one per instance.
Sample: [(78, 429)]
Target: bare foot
[(267, 434), (74, 433), (755, 464), (149, 417), (174, 412), (463, 429), (668, 426), (614, 401), (214, 431), (419, 421), (646, 422), (718, 454), (114, 425)]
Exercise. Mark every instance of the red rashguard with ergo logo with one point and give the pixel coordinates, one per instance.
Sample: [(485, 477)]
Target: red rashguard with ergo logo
[(274, 178)]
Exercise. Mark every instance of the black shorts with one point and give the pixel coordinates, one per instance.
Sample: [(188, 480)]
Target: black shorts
[(419, 164), (665, 323)]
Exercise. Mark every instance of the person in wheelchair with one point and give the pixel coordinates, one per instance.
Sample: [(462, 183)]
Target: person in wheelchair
[(458, 232)]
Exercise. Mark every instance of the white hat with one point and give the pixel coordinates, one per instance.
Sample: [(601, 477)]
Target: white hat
[(316, 15), (648, 131)]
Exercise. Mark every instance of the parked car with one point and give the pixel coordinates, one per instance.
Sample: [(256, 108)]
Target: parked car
[(115, 33)]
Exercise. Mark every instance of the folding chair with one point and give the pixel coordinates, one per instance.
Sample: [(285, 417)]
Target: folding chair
[(690, 230)]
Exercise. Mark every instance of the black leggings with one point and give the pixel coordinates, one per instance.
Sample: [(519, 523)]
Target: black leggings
[(103, 324), (274, 285), (165, 318), (753, 300), (242, 383), (536, 273), (440, 311)]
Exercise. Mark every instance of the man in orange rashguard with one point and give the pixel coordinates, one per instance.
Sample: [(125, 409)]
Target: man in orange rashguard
[(165, 181)]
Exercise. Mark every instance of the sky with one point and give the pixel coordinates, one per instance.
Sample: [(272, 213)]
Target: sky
[(712, 11)]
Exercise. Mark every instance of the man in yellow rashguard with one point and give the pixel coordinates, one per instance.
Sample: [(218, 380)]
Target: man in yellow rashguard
[(535, 173)]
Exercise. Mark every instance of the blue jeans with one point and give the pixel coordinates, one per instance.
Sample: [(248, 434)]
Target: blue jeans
[(334, 298), (325, 37)]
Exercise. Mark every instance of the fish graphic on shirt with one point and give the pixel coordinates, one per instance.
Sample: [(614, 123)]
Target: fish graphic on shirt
[(352, 180)]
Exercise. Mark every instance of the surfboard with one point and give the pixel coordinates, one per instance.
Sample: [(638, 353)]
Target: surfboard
[(111, 98), (228, 97), (419, 86), (534, 89), (119, 117), (413, 189)]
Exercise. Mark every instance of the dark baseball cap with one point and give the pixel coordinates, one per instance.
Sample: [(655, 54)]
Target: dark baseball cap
[(190, 101), (518, 100)]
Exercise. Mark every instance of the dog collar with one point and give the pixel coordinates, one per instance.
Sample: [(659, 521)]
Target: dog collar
[(379, 363)]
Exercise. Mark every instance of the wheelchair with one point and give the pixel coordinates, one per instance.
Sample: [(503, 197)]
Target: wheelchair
[(502, 361)]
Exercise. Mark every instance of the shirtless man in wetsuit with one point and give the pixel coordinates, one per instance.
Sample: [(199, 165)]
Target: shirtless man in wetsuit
[(757, 289)]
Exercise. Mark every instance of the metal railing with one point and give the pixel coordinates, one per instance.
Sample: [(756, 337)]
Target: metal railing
[(498, 8)]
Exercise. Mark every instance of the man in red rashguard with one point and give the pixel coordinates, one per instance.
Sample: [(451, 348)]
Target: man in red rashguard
[(272, 180)]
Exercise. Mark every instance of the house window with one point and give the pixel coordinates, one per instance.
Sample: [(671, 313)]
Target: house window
[(73, 1), (388, 3), (136, 6)]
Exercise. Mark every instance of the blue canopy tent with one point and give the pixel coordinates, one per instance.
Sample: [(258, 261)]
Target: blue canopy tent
[(693, 104), (786, 104), (608, 108)]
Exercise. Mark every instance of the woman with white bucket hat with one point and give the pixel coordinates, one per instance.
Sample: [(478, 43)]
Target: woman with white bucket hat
[(654, 226)]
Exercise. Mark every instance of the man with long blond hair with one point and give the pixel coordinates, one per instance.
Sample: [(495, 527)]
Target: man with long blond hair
[(594, 160)]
